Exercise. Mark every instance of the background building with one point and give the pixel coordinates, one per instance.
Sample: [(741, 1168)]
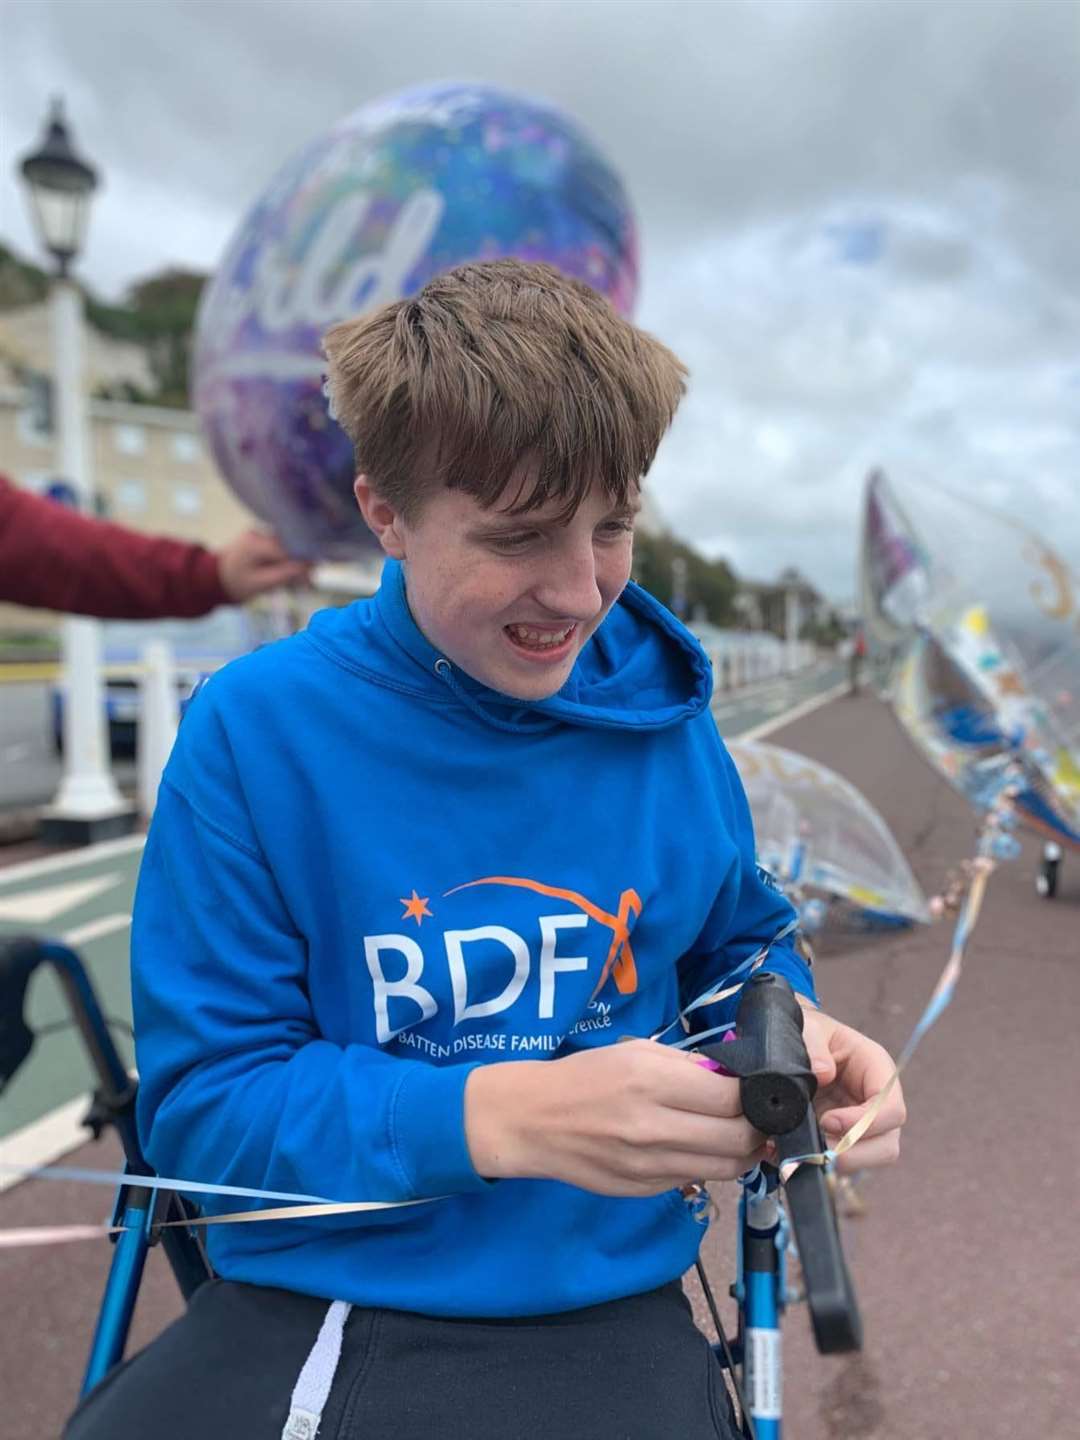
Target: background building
[(149, 466)]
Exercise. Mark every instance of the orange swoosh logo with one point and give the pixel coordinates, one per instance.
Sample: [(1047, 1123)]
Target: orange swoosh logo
[(620, 957)]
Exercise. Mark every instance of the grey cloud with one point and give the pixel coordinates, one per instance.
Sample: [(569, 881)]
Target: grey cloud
[(858, 221)]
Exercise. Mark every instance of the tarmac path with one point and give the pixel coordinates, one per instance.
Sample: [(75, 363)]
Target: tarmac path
[(965, 1262)]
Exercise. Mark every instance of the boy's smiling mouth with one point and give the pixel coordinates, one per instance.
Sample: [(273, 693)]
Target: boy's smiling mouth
[(541, 642)]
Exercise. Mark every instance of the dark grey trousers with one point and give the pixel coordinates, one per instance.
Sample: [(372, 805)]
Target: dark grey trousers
[(633, 1369)]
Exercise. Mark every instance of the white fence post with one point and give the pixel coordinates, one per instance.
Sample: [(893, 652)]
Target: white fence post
[(159, 716)]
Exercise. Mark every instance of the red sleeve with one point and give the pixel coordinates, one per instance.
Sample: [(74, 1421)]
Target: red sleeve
[(57, 559)]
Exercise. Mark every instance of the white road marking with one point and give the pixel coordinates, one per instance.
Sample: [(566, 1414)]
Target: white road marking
[(96, 929), (60, 1130), (44, 1141), (806, 708), (39, 907), (70, 859)]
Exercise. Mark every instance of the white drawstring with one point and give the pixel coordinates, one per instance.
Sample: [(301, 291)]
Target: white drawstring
[(312, 1389)]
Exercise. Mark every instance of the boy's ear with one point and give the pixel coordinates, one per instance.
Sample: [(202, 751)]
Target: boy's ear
[(382, 519)]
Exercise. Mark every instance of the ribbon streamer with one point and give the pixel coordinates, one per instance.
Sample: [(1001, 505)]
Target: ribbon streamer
[(982, 867), (713, 997), (308, 1206), (20, 1236)]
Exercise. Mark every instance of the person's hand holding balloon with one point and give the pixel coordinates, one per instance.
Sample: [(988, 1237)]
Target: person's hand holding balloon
[(256, 562)]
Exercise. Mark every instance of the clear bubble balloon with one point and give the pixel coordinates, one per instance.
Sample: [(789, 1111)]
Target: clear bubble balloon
[(368, 213), (823, 840), (987, 682)]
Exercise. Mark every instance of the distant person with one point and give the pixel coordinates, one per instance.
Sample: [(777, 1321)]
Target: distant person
[(856, 658), (54, 558)]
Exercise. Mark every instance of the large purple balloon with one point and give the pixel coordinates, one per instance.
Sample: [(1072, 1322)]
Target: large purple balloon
[(398, 191)]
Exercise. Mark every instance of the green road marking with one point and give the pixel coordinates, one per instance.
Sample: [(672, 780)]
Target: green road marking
[(58, 1069)]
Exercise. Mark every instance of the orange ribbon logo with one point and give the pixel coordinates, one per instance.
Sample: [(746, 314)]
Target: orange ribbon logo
[(620, 957)]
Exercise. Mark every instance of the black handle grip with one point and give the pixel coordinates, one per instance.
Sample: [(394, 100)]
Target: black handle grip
[(768, 1055), (777, 1086)]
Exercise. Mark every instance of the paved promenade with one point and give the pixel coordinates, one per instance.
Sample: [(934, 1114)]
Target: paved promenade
[(966, 1260)]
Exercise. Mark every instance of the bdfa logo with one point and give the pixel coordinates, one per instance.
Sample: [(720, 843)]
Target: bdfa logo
[(618, 965)]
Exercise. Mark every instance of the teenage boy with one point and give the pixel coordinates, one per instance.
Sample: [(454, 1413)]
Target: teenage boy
[(412, 874)]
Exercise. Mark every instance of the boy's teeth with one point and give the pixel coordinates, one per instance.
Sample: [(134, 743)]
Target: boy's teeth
[(538, 637)]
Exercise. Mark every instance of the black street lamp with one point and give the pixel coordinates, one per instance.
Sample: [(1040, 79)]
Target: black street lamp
[(60, 183), (87, 806)]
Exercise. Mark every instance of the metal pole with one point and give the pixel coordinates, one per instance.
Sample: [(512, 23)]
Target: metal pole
[(678, 586), (159, 716), (791, 626), (87, 806)]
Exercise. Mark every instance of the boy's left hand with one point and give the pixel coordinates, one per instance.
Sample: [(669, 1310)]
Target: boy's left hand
[(851, 1069)]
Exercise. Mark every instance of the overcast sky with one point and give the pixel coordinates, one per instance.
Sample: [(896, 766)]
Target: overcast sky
[(859, 219)]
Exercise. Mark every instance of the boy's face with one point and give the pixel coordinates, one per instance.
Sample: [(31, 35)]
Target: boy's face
[(510, 599)]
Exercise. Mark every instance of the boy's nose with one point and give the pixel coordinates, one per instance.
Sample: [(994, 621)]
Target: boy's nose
[(570, 591)]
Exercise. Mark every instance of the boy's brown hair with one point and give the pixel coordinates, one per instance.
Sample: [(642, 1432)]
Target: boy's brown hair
[(494, 364)]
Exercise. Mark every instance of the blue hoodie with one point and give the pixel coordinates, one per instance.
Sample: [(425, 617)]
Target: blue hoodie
[(367, 874)]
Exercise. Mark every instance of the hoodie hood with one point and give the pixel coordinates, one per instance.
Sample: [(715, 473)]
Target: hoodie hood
[(641, 670)]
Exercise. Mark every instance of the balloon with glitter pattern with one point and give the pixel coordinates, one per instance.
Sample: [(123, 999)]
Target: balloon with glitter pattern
[(405, 187)]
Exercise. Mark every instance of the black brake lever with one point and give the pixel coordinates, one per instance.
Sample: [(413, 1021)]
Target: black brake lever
[(834, 1309)]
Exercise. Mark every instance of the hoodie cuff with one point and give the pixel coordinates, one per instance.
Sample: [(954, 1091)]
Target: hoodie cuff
[(782, 961), (427, 1131)]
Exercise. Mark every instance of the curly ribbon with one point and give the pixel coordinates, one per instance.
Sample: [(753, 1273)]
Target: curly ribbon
[(713, 997)]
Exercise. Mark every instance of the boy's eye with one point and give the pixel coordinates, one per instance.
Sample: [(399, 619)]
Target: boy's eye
[(614, 528), (512, 543)]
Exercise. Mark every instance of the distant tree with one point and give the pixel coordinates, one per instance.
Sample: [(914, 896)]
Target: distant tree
[(21, 283), (159, 313), (710, 584), (829, 631)]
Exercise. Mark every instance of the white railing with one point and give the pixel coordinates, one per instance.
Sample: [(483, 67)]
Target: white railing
[(749, 657)]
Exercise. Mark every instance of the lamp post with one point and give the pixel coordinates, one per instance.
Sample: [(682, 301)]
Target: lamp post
[(87, 806), (792, 622)]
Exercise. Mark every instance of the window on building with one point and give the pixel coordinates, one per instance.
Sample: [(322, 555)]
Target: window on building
[(34, 421), (130, 495), (129, 439), (186, 500), (186, 447)]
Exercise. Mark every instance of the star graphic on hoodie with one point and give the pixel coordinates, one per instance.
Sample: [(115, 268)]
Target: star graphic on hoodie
[(416, 908)]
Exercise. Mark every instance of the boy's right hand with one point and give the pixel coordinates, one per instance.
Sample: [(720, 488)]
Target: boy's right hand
[(630, 1119)]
